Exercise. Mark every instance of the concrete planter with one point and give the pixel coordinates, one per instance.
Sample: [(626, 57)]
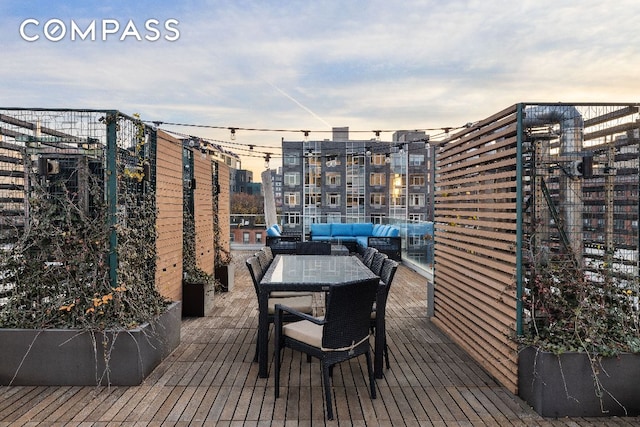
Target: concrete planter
[(76, 357), (226, 276), (197, 299), (563, 386)]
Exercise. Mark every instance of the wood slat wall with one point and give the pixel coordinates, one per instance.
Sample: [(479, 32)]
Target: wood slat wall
[(224, 203), (203, 210), (169, 221), (475, 254)]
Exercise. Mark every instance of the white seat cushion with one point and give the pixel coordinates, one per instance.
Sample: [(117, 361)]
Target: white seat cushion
[(304, 331), (284, 294), (303, 304)]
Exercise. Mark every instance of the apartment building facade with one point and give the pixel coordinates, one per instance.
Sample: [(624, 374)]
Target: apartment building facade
[(344, 180)]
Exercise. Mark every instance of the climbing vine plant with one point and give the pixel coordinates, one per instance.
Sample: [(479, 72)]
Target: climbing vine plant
[(57, 273)]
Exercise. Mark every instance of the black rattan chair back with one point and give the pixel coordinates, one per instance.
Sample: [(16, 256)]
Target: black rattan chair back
[(376, 264), (267, 250), (348, 313), (313, 248), (255, 270), (367, 257), (263, 259), (389, 268)]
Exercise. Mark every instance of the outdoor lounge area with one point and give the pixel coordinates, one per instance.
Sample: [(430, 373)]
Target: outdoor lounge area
[(211, 379)]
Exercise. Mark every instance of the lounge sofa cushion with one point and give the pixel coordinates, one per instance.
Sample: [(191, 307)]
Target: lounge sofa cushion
[(340, 230), (362, 229), (319, 230), (393, 232), (273, 231)]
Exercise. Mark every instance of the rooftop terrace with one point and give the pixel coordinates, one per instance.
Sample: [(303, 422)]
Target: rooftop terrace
[(211, 380)]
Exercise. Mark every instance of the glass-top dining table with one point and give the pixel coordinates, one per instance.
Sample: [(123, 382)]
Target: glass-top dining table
[(309, 273)]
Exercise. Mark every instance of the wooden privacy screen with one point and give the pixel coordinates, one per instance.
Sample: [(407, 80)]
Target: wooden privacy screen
[(475, 250), (169, 221), (224, 204), (203, 210)]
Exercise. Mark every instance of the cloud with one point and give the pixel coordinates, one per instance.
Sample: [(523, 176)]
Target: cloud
[(363, 64)]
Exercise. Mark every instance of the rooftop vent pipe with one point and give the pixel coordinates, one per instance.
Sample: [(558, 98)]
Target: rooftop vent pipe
[(571, 126)]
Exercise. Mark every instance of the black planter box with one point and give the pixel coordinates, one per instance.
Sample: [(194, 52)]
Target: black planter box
[(225, 275), (197, 299), (563, 385), (75, 357)]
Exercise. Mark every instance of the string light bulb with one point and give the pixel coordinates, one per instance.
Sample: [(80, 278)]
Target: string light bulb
[(306, 135), (377, 134), (233, 134)]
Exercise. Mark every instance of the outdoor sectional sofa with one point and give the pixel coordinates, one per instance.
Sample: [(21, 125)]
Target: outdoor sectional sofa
[(279, 243), (358, 236)]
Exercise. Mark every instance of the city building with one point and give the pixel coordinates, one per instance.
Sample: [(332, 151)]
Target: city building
[(344, 180)]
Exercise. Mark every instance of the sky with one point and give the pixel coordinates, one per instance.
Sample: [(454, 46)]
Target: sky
[(288, 66)]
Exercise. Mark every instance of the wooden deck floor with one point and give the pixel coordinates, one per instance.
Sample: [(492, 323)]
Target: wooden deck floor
[(211, 380)]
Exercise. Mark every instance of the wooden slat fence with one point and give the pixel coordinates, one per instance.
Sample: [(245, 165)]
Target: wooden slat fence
[(203, 211), (169, 201), (475, 251)]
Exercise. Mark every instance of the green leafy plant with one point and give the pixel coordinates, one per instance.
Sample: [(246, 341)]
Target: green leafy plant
[(574, 310), (192, 273)]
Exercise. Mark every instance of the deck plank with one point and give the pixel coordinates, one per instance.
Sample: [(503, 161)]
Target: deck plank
[(210, 379)]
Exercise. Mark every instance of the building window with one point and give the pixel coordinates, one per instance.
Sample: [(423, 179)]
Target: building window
[(292, 198), (313, 199), (416, 217), (258, 237), (245, 237), (378, 159), (334, 217), (378, 199), (292, 178), (398, 200), (355, 159), (417, 180), (416, 199), (377, 179), (313, 178), (378, 218), (399, 180), (291, 160), (332, 161), (333, 179), (333, 199), (292, 218), (355, 201), (416, 159)]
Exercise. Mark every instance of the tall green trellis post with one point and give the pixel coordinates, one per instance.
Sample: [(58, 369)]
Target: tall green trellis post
[(112, 193)]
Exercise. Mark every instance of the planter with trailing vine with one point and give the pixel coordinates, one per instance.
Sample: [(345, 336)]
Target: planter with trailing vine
[(225, 274), (580, 350), (78, 357), (576, 384)]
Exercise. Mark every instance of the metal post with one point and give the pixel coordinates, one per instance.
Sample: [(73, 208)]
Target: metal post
[(112, 194), (519, 219)]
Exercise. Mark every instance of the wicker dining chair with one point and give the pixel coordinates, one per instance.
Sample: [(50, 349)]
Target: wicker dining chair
[(313, 248), (367, 256), (267, 250), (343, 333), (264, 260), (376, 264), (302, 302), (389, 268)]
